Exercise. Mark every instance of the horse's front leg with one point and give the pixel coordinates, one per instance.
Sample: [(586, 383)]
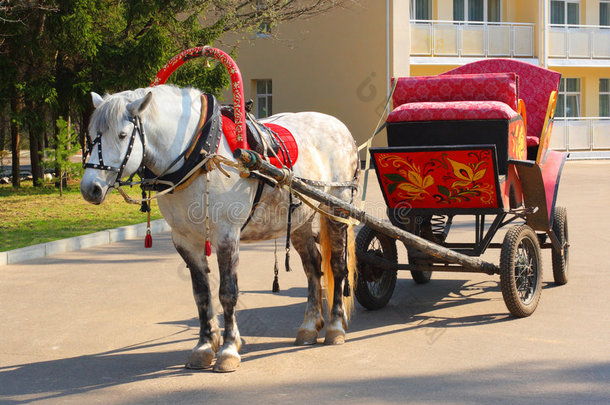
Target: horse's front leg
[(228, 259), (193, 254)]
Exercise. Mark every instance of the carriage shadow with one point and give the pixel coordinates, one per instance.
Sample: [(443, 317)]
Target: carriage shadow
[(409, 305), (411, 308)]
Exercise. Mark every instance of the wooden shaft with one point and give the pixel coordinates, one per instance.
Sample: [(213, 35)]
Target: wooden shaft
[(252, 161)]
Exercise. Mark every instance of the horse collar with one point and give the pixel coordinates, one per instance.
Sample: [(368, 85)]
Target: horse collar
[(205, 141)]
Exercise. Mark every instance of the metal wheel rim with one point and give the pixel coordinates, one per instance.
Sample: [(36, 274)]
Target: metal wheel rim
[(526, 270), (379, 288)]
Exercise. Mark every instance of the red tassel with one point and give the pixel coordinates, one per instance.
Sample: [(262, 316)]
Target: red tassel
[(208, 248), (148, 240)]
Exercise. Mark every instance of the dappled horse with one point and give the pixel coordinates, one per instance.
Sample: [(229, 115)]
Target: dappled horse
[(152, 130)]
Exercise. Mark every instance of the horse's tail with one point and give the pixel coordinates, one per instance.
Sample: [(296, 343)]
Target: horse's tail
[(329, 281)]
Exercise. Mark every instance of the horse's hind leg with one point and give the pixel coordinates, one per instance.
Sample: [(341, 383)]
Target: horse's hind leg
[(193, 254), (337, 236), (304, 243)]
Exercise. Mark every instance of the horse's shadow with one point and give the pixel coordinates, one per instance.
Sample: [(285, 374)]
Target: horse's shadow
[(55, 379)]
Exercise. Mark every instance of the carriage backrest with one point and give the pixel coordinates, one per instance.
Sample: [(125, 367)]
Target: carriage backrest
[(535, 86), (460, 87)]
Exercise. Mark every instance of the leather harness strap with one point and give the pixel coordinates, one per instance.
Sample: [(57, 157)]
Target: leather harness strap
[(200, 124), (255, 202)]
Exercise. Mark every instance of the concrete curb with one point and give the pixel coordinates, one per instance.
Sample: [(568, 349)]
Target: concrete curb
[(81, 242)]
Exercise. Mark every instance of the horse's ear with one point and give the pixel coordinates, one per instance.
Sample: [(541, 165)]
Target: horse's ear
[(97, 99), (135, 108)]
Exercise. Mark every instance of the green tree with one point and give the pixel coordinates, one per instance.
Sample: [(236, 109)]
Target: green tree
[(24, 61), (53, 53), (62, 148)]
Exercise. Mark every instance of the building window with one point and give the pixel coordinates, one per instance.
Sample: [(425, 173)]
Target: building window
[(264, 98), (421, 10), (477, 10), (604, 12), (604, 97), (565, 12), (568, 98), (264, 28)]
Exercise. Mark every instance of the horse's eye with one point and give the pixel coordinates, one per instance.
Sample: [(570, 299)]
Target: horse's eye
[(122, 135)]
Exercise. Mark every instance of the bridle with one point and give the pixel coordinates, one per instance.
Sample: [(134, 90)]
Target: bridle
[(138, 129), (195, 158)]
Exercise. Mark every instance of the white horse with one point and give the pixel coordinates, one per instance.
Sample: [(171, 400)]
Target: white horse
[(168, 117)]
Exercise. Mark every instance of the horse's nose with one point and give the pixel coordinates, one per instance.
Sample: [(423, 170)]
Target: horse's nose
[(93, 194)]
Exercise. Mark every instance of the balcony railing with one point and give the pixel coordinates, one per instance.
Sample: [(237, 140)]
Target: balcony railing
[(471, 39), (579, 41), (581, 134)]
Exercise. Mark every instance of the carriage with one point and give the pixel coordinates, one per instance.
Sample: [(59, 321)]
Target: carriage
[(471, 144)]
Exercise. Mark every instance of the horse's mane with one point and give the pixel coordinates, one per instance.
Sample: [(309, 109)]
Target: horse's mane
[(114, 108)]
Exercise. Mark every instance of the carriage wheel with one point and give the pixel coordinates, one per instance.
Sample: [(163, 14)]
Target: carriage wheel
[(521, 270), (421, 277), (375, 286), (560, 259)]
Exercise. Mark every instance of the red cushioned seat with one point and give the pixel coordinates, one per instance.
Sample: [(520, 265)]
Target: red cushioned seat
[(452, 110), (460, 87)]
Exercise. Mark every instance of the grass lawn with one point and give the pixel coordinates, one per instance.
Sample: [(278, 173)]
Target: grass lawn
[(32, 215)]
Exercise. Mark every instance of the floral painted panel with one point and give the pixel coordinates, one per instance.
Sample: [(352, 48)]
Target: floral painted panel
[(438, 178)]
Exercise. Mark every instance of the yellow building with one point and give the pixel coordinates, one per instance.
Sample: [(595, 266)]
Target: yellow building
[(341, 62)]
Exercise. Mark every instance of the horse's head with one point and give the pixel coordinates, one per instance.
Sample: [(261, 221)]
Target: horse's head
[(116, 148)]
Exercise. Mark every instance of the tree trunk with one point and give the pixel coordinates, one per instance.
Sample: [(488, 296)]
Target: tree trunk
[(16, 117), (35, 140), (61, 183), (4, 131), (86, 117), (61, 171), (3, 127), (35, 158), (44, 137)]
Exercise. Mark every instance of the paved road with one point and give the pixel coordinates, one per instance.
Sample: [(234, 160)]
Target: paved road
[(114, 324)]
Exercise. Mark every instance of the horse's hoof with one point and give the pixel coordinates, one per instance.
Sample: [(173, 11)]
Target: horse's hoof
[(334, 337), (306, 337), (228, 361), (201, 357)]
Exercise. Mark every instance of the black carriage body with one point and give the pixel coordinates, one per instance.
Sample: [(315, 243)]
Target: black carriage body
[(459, 132)]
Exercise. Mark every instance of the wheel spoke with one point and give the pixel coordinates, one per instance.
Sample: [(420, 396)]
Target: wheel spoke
[(525, 270)]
